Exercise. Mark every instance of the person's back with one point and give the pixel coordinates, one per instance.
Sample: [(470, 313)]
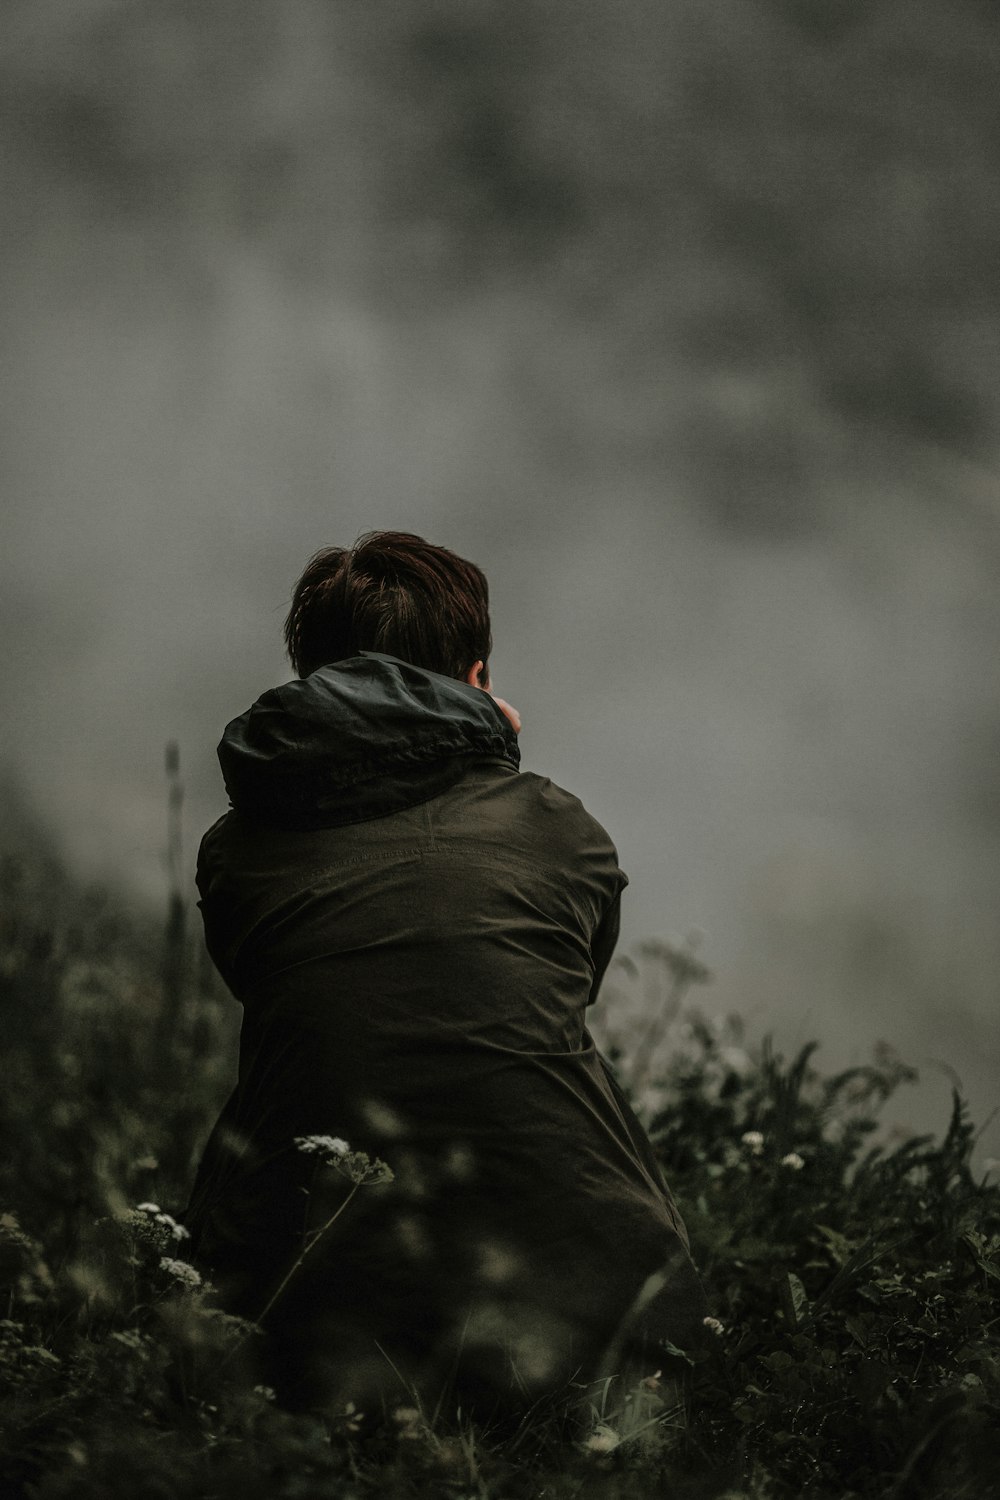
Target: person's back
[(415, 928)]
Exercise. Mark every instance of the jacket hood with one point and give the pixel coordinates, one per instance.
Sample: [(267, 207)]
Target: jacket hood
[(358, 739)]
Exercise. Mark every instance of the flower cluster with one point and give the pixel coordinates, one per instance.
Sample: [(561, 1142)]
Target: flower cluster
[(323, 1145), (603, 1440), (358, 1166), (180, 1271), (158, 1216), (409, 1422)]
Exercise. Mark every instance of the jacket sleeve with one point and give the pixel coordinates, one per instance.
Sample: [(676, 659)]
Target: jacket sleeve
[(603, 946), (213, 912)]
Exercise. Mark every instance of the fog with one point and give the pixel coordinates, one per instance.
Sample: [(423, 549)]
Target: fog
[(683, 326)]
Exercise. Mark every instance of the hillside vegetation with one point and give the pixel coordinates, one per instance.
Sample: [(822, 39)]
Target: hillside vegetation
[(854, 1285)]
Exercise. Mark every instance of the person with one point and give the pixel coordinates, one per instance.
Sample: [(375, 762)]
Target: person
[(415, 928)]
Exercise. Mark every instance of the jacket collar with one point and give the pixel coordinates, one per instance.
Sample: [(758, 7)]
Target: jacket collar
[(358, 739)]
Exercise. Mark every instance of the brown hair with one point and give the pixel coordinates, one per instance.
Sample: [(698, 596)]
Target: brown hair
[(390, 592)]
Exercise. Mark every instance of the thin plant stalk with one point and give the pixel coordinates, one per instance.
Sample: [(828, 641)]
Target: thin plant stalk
[(312, 1243)]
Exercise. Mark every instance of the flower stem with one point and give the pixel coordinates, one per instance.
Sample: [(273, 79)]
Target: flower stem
[(311, 1244)]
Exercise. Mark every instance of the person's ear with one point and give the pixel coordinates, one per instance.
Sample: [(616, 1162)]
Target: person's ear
[(472, 678)]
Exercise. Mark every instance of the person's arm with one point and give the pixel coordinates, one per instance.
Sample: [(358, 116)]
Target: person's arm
[(603, 947)]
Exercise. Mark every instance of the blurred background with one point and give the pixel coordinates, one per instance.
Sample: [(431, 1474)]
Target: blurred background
[(680, 320)]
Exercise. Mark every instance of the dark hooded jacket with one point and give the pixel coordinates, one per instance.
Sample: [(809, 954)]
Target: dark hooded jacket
[(415, 929)]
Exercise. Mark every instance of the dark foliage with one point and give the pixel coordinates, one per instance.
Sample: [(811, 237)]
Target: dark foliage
[(854, 1280)]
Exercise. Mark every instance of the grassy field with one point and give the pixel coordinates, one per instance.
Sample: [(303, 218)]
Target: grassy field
[(855, 1285)]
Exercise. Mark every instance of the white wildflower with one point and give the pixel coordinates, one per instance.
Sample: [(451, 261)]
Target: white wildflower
[(408, 1420), (327, 1145), (793, 1160), (753, 1140), (406, 1415), (351, 1418), (714, 1326), (177, 1230), (159, 1216), (180, 1271), (604, 1440)]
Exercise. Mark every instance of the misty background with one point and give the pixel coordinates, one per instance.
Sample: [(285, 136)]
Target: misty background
[(680, 319)]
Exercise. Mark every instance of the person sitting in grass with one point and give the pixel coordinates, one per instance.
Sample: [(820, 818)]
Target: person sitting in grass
[(415, 929)]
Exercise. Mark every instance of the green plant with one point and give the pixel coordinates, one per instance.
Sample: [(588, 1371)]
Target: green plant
[(853, 1283)]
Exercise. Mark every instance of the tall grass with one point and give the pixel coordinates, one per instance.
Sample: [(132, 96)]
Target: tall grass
[(854, 1284)]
